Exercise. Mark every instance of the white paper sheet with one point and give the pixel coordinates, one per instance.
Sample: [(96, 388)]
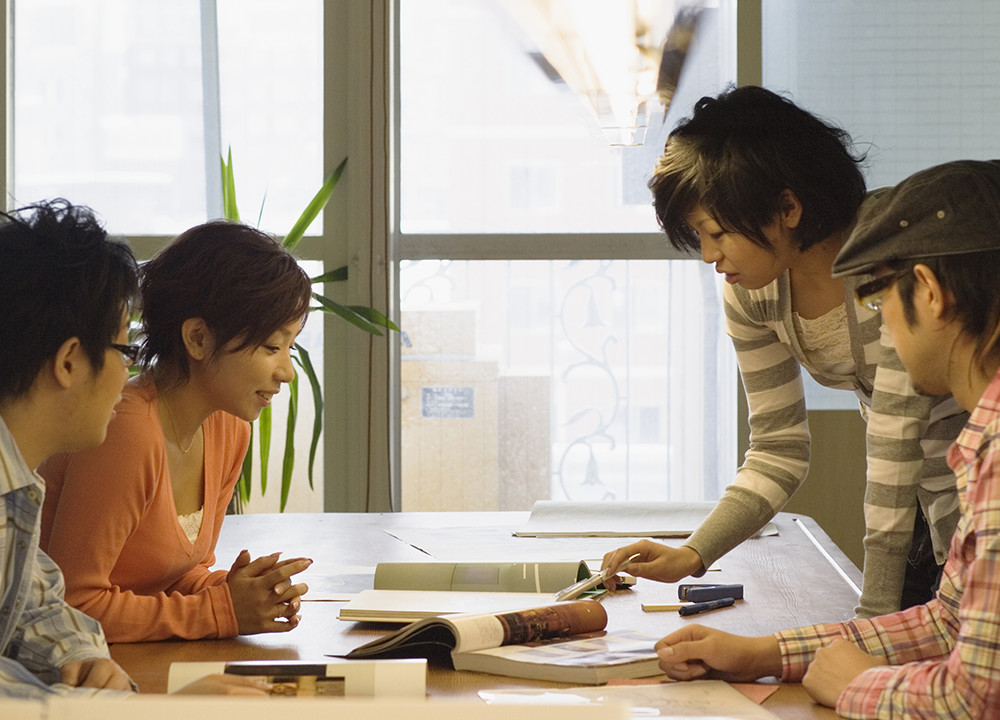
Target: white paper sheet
[(696, 699)]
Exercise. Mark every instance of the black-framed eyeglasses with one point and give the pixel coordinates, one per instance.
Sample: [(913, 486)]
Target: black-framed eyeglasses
[(130, 353), (872, 293)]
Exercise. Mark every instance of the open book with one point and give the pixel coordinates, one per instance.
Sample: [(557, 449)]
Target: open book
[(561, 642), (467, 632), (555, 518), (410, 591)]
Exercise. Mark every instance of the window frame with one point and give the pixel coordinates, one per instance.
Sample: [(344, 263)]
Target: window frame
[(547, 246), (361, 230)]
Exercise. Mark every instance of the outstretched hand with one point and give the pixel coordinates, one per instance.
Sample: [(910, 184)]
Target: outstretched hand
[(264, 597), (656, 561)]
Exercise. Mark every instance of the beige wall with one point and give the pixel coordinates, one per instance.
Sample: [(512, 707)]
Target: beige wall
[(834, 490)]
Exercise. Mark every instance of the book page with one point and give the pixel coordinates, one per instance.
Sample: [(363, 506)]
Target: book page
[(613, 648), (698, 698), (476, 632)]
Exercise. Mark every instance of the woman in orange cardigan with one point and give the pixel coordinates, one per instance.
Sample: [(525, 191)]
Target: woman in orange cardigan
[(134, 522)]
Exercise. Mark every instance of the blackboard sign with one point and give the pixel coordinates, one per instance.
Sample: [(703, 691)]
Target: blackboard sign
[(448, 402)]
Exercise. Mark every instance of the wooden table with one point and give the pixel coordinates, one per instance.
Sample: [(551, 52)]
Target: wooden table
[(795, 578)]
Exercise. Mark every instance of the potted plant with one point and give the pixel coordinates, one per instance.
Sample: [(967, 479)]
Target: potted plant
[(367, 319)]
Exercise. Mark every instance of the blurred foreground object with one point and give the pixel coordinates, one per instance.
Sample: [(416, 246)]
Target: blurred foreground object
[(615, 54)]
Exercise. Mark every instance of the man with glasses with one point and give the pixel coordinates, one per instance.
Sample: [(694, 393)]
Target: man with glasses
[(933, 246), (871, 294), (66, 291), (65, 295)]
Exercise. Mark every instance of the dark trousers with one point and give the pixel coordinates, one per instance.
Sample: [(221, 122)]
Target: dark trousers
[(923, 574)]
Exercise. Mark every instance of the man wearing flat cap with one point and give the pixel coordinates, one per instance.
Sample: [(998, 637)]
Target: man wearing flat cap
[(932, 245)]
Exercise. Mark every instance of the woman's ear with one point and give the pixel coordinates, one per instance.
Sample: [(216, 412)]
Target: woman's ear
[(198, 339), (790, 212)]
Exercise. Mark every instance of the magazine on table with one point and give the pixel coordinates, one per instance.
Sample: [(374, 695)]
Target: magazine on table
[(562, 641), (467, 632)]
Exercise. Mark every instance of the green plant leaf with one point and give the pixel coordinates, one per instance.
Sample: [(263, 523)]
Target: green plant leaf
[(288, 461), (376, 317), (347, 314), (260, 213), (365, 318), (305, 362), (229, 189), (314, 208), (264, 425), (338, 275)]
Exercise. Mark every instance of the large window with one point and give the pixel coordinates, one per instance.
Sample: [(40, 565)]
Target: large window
[(112, 108), (554, 345), (125, 105), (550, 351)]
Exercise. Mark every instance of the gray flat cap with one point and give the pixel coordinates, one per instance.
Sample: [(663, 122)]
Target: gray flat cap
[(949, 209)]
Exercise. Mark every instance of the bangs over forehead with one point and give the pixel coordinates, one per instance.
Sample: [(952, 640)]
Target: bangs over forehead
[(239, 280), (679, 186)]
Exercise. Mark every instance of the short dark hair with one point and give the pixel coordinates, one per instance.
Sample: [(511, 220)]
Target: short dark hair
[(972, 279), (61, 276), (737, 153), (239, 280)]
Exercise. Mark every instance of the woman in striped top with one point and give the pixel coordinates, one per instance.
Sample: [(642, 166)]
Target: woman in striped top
[(768, 193)]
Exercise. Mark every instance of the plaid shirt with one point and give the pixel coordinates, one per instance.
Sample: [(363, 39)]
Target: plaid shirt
[(39, 632), (944, 656)]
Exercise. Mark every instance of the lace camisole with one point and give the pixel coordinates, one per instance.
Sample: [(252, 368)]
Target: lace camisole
[(826, 341), (191, 524)]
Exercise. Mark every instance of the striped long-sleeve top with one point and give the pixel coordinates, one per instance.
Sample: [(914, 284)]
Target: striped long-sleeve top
[(907, 438), (944, 657)]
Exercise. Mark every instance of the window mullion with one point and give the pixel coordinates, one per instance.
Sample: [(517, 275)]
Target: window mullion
[(211, 107)]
